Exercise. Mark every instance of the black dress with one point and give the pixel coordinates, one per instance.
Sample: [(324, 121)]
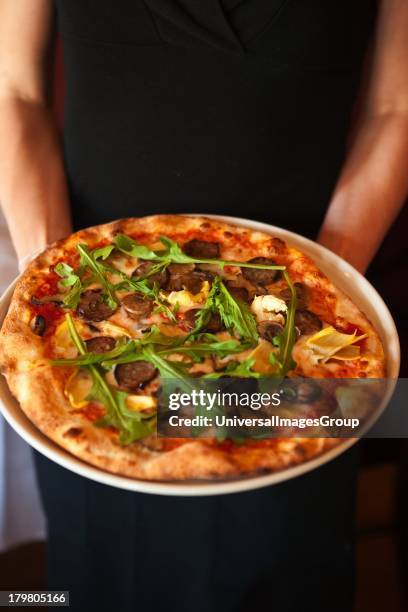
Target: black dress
[(236, 107)]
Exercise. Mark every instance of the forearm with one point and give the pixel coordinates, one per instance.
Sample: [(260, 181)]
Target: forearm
[(374, 182), (33, 190), (371, 189)]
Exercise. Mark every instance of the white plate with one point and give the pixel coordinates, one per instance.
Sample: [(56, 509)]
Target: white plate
[(341, 273)]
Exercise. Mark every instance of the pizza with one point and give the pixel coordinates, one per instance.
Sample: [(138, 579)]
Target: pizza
[(99, 319)]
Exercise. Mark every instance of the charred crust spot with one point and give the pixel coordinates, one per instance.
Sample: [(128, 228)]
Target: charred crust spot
[(116, 228), (300, 451), (38, 325), (278, 243), (73, 432)]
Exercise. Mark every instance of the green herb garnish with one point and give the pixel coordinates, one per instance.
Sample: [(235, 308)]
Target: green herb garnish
[(237, 369), (72, 280), (89, 259), (285, 341), (209, 345), (235, 314), (172, 253), (132, 425)]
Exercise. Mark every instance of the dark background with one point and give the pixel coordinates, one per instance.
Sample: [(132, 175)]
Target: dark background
[(382, 499)]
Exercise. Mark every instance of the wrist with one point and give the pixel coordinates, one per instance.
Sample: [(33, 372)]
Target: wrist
[(353, 251), (30, 245)]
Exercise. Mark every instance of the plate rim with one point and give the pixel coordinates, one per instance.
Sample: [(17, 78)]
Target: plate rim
[(35, 438)]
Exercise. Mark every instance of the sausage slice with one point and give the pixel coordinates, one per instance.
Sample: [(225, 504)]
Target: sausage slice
[(137, 306), (176, 269), (190, 318), (191, 281), (100, 344), (239, 293), (259, 276), (134, 375), (307, 322), (202, 249), (213, 325), (301, 293), (177, 272), (160, 278), (93, 307), (269, 330)]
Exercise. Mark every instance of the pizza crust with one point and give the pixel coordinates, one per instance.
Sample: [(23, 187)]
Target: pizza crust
[(39, 389)]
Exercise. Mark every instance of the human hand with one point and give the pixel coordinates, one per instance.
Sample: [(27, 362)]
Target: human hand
[(28, 249), (353, 250)]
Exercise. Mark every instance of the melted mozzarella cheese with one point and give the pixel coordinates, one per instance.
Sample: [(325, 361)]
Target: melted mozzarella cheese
[(112, 329), (63, 344), (78, 388)]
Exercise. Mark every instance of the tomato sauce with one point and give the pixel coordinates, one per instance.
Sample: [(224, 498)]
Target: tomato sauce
[(92, 411), (52, 313)]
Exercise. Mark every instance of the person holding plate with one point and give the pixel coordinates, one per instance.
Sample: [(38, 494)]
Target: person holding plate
[(234, 107)]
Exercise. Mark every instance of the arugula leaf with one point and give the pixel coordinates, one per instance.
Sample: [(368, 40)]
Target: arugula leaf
[(159, 299), (213, 346), (88, 259), (147, 352), (174, 254), (204, 314), (173, 251), (75, 337), (235, 368), (103, 252), (136, 425), (167, 368), (155, 336), (142, 286), (123, 346), (235, 314), (157, 267), (67, 273), (72, 280), (93, 260), (132, 248), (285, 341), (132, 426), (154, 294)]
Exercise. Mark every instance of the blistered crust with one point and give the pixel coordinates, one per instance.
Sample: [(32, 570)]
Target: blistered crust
[(40, 390)]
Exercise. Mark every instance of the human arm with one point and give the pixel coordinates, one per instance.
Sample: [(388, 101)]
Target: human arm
[(33, 191), (373, 184)]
